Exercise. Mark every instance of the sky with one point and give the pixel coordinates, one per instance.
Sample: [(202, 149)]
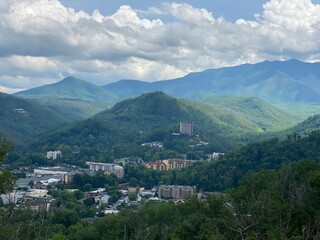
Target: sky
[(102, 41)]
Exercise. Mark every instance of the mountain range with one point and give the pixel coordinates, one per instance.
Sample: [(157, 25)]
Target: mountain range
[(219, 95), (281, 83), (278, 81)]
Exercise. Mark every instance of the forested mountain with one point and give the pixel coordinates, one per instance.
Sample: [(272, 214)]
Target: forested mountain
[(230, 168), (308, 125), (287, 81), (256, 110), (77, 98), (287, 84), (21, 119), (69, 88), (155, 116)]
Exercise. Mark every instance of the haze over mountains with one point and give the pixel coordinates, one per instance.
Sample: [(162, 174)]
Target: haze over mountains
[(287, 81), (77, 98), (284, 84), (220, 91)]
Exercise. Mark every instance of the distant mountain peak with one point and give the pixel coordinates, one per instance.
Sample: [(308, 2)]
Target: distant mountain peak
[(73, 80), (69, 88)]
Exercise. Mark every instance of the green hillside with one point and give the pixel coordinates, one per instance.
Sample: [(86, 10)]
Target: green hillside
[(21, 120), (154, 117), (290, 81), (254, 110), (265, 155), (76, 109), (310, 124), (75, 97), (69, 88)]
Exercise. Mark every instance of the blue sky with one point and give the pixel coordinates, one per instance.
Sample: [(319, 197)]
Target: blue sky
[(43, 41), (229, 9)]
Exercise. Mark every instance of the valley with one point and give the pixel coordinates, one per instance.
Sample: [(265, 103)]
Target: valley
[(132, 149)]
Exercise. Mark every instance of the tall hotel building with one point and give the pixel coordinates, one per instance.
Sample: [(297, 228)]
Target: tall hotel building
[(186, 128)]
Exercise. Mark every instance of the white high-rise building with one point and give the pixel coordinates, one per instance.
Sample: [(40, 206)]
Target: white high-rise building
[(186, 128), (54, 154)]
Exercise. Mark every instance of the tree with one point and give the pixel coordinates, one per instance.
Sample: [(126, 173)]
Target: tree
[(7, 179), (66, 218), (78, 194), (133, 182), (31, 184), (87, 187), (58, 236), (88, 202), (132, 196)]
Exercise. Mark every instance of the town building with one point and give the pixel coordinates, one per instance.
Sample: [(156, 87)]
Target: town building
[(153, 144), (169, 164), (186, 128), (67, 178), (135, 189), (50, 171), (54, 155), (216, 155), (175, 191), (13, 197), (108, 168), (39, 203)]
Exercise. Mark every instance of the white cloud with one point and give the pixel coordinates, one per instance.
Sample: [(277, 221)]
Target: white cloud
[(43, 41), (190, 15), (10, 90), (126, 16), (33, 63), (292, 15)]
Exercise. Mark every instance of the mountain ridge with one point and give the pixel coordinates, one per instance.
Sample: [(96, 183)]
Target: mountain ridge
[(154, 117), (22, 119), (281, 83), (243, 80)]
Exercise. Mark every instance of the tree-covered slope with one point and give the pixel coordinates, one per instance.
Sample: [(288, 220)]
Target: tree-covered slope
[(21, 120), (308, 125), (269, 154), (152, 116), (287, 81), (264, 115), (69, 88), (155, 116), (75, 97)]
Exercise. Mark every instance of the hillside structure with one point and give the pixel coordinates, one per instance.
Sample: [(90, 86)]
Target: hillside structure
[(169, 164), (107, 168), (54, 154), (175, 191), (186, 128)]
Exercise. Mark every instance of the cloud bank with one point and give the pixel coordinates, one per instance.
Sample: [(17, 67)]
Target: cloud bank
[(42, 41)]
